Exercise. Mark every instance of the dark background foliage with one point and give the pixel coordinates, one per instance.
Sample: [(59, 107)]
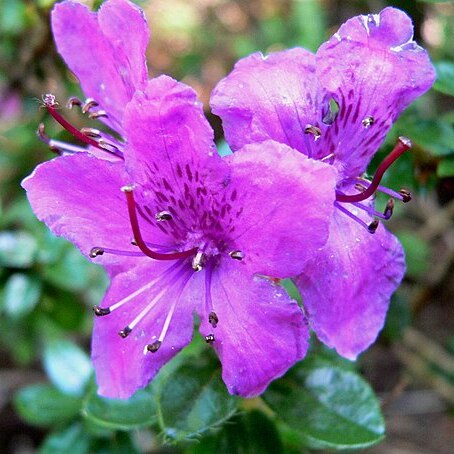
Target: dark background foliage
[(47, 394)]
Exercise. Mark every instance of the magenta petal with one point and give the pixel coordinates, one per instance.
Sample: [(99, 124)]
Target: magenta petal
[(105, 50), (123, 365), (281, 203), (347, 287), (169, 137), (79, 198), (273, 97), (260, 334), (373, 69)]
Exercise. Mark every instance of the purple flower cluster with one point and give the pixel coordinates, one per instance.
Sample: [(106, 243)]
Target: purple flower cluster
[(182, 231)]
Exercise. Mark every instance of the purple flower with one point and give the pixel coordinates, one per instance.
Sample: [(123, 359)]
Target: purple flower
[(368, 72), (207, 232)]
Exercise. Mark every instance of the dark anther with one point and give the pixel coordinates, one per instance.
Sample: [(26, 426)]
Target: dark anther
[(41, 133), (406, 195), (97, 114), (197, 261), (316, 132), (125, 332), (134, 242), (209, 339), (91, 132), (95, 251), (389, 209), (154, 347), (237, 255), (73, 101), (368, 121), (373, 226), (163, 216), (101, 311), (213, 319), (89, 103)]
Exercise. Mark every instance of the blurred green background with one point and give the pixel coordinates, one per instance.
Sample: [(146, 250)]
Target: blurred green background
[(47, 288)]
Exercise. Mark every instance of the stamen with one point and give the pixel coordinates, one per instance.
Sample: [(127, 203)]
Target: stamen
[(387, 213), (125, 332), (97, 114), (406, 195), (213, 319), (402, 145), (237, 255), (129, 192), (209, 339), (163, 216), (89, 103), (197, 261), (316, 132), (154, 347), (368, 121), (101, 311), (73, 101), (96, 251), (371, 228), (91, 132)]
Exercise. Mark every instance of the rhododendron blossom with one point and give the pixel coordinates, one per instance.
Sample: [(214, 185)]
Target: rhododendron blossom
[(180, 230), (336, 107)]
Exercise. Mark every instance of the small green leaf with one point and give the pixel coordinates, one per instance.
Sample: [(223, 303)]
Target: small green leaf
[(17, 249), (445, 168), (21, 295), (67, 366), (121, 414), (73, 439), (445, 77), (43, 405), (248, 433), (330, 406), (192, 400)]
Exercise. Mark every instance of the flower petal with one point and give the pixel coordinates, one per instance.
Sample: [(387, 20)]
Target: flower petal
[(260, 334), (123, 365), (281, 203), (79, 198), (273, 97), (373, 69), (105, 50), (347, 286)]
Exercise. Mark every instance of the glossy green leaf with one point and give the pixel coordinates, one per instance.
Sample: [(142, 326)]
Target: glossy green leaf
[(43, 405), (330, 406), (121, 414), (193, 399), (445, 77), (67, 365), (17, 249), (247, 433), (70, 440), (21, 295)]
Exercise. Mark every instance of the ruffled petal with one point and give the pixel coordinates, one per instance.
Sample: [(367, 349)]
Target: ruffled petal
[(123, 365), (280, 203), (79, 198), (260, 334), (347, 286), (373, 69), (273, 97), (105, 50)]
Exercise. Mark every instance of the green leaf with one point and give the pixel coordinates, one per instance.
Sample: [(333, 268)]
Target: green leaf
[(70, 440), (67, 366), (21, 295), (248, 433), (17, 249), (445, 168), (43, 405), (193, 399), (417, 253), (445, 77), (330, 406), (121, 414)]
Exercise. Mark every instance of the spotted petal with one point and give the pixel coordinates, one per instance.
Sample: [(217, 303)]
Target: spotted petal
[(260, 334), (123, 365), (347, 286), (373, 69), (105, 50)]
